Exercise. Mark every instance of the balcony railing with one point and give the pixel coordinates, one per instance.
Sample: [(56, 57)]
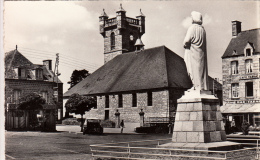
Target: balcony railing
[(132, 21), (110, 22)]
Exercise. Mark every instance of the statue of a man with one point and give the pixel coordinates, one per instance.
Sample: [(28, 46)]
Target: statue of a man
[(196, 53)]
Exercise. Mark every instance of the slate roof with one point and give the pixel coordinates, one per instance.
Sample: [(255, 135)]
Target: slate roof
[(153, 68), (239, 43), (15, 59)]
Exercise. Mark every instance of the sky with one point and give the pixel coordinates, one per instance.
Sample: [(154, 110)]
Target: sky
[(41, 29)]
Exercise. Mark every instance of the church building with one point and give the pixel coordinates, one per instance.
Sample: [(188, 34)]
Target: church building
[(133, 81), (241, 83)]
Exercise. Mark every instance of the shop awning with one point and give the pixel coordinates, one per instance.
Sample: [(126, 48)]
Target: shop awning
[(240, 108)]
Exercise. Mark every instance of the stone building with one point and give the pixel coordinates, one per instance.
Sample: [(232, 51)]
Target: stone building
[(241, 83), (22, 77), (133, 79)]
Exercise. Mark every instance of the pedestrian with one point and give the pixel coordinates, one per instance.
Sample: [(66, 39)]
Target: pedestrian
[(170, 125), (122, 125), (227, 127), (245, 127), (233, 126)]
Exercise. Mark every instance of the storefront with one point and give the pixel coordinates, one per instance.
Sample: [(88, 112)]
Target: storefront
[(242, 111)]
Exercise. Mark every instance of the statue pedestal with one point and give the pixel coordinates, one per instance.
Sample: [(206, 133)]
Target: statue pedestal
[(198, 124)]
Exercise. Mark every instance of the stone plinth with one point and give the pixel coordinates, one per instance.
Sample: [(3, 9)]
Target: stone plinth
[(198, 120), (198, 124)]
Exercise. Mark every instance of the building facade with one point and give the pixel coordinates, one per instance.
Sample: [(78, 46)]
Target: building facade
[(22, 77), (241, 73)]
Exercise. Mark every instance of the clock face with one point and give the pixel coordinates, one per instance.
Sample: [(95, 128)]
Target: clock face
[(131, 37)]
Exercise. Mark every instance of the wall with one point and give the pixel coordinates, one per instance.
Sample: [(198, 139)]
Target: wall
[(129, 113), (28, 86), (228, 78)]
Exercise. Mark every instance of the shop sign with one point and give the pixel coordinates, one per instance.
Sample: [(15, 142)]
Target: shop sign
[(245, 101), (249, 77)]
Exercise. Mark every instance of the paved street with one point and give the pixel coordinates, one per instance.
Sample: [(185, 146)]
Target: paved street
[(62, 145)]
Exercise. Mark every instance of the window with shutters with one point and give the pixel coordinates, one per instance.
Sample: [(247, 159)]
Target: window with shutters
[(234, 67), (249, 65)]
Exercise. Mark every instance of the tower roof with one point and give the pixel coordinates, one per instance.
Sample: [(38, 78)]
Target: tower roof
[(104, 14), (121, 9), (141, 14)]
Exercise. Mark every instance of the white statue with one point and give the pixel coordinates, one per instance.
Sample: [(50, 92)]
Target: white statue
[(195, 55)]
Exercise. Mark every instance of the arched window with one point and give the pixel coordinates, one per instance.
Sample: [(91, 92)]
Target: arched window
[(113, 40)]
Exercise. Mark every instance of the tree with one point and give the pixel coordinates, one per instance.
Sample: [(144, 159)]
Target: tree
[(31, 101), (80, 104), (77, 76)]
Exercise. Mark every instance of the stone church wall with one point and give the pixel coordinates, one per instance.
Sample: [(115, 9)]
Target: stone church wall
[(129, 113)]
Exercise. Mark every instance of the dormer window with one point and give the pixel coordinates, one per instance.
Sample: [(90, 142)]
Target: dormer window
[(249, 49), (39, 73), (248, 52), (113, 40), (249, 65), (234, 67), (21, 73)]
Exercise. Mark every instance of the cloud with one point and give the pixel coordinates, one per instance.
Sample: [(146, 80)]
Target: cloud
[(187, 21)]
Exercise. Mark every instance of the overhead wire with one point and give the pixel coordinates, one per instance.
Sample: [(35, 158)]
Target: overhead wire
[(49, 53), (93, 66)]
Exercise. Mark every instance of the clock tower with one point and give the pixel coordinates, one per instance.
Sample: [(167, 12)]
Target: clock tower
[(120, 33)]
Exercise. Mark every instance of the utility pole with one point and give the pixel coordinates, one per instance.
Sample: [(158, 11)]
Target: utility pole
[(56, 86)]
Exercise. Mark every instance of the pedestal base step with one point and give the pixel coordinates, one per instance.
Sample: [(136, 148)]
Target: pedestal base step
[(213, 146)]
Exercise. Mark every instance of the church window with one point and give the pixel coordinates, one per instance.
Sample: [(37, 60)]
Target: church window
[(106, 114), (120, 101), (249, 66), (150, 98), (134, 100), (249, 89), (95, 105), (113, 40), (107, 101), (235, 90), (234, 67)]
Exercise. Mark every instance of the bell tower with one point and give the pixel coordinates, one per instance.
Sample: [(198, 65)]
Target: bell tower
[(120, 33)]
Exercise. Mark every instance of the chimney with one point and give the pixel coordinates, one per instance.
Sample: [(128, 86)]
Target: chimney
[(236, 28), (48, 63)]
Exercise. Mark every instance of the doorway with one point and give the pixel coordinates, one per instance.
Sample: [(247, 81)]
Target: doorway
[(238, 121)]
